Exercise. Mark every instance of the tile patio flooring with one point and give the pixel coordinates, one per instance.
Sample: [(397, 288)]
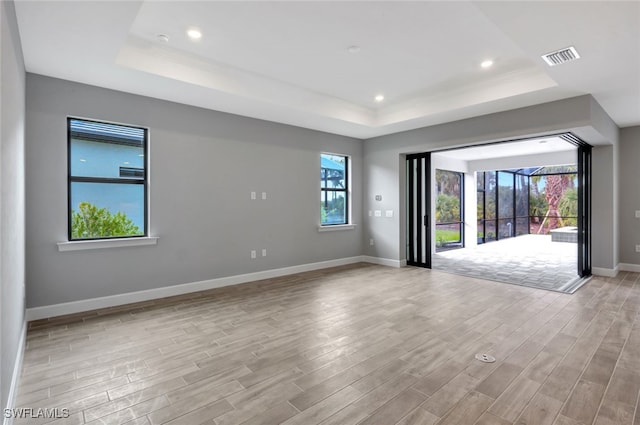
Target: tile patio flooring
[(528, 260)]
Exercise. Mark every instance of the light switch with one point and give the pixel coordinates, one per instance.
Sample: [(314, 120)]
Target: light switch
[(253, 196), (264, 195), (388, 213), (378, 213), (637, 213)]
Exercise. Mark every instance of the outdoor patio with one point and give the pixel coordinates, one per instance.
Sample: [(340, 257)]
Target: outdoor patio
[(528, 260)]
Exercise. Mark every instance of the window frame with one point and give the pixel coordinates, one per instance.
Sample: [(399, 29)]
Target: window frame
[(346, 190), (461, 222), (144, 181)]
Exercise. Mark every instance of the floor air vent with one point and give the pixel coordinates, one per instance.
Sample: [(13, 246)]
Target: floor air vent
[(561, 56)]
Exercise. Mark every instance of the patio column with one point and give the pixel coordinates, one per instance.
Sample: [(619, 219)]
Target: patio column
[(470, 210)]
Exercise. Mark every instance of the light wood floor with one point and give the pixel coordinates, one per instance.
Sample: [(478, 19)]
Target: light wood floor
[(360, 344)]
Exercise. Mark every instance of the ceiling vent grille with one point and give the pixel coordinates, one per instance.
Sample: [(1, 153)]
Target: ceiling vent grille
[(561, 56)]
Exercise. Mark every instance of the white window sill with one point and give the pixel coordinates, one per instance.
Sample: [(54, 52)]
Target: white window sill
[(106, 243), (336, 227)]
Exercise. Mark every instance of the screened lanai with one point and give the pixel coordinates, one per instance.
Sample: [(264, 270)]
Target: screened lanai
[(534, 200), (514, 225)]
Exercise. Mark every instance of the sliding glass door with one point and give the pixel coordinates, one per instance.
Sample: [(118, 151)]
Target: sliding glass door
[(418, 210), (584, 210), (509, 203)]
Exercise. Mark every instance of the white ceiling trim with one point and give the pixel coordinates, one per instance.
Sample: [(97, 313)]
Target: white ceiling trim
[(140, 55)]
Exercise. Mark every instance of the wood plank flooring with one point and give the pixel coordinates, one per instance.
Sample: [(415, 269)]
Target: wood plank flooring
[(359, 344)]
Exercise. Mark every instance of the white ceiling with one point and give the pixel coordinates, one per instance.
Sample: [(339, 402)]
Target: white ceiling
[(510, 149), (288, 61)]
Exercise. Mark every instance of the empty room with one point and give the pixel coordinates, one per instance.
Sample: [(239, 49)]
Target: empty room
[(313, 212)]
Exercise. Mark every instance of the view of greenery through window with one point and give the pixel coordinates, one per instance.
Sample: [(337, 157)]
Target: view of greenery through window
[(509, 203), (554, 202), (534, 200), (107, 180), (90, 221), (448, 209), (333, 189)]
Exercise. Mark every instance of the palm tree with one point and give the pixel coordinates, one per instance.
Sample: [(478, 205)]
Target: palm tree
[(448, 182), (555, 186)]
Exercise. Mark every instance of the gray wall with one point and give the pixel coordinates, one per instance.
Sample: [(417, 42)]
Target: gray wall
[(204, 164), (629, 178), (603, 208), (12, 225), (384, 172)]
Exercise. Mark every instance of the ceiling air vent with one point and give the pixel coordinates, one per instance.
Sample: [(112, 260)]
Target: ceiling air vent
[(561, 56)]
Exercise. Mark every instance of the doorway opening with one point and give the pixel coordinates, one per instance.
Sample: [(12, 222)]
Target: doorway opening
[(516, 212)]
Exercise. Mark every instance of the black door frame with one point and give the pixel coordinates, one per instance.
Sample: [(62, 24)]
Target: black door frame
[(419, 209), (584, 204)]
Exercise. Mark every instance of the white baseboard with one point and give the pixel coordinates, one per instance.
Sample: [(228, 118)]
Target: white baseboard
[(15, 378), (626, 267), (384, 261), (600, 271), (62, 309)]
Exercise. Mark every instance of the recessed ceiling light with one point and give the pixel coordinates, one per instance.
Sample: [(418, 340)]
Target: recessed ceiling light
[(353, 49), (379, 98), (486, 64), (163, 38), (83, 160), (194, 34)]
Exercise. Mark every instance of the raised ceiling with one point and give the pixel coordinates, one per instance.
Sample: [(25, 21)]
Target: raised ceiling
[(290, 62)]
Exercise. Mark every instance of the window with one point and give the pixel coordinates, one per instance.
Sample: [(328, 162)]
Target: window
[(449, 223), (107, 180), (334, 189)]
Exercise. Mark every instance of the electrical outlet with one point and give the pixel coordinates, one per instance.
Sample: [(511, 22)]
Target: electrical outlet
[(253, 254), (264, 195), (637, 213), (264, 252)]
